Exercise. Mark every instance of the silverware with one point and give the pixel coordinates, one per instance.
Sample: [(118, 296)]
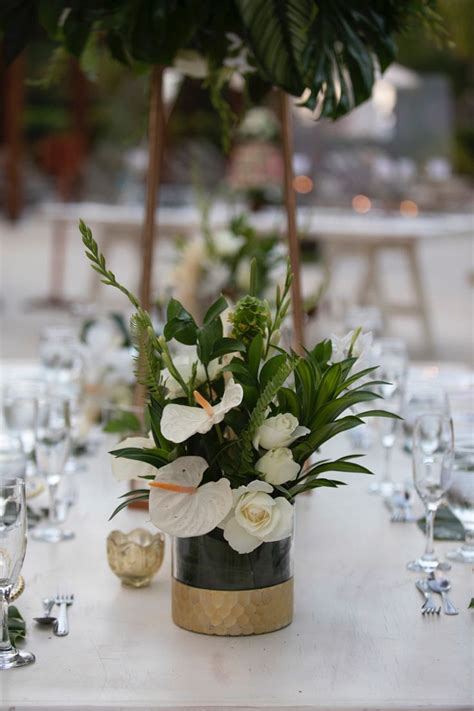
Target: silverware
[(46, 618), (61, 627), (428, 607), (441, 586)]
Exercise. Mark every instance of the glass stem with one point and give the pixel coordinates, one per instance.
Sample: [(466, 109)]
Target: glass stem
[(5, 644), (52, 514), (469, 540), (430, 517), (388, 466)]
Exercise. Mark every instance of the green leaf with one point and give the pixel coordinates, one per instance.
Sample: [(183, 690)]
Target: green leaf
[(271, 368), (215, 310), (207, 337), (471, 604), (225, 345), (130, 500), (379, 413), (254, 355), (288, 402), (303, 450), (156, 457), (16, 625), (328, 385)]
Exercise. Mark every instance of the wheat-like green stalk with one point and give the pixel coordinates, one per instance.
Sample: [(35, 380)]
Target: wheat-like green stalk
[(259, 412), (97, 260), (147, 363)]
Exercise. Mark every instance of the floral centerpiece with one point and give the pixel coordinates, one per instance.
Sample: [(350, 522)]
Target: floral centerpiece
[(235, 429)]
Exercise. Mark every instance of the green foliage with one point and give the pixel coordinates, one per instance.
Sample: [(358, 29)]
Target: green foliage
[(249, 318), (125, 422), (16, 625), (328, 48)]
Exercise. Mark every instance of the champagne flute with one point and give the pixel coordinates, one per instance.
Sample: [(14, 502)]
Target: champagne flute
[(12, 552), (391, 354), (460, 495), (53, 436), (433, 452)]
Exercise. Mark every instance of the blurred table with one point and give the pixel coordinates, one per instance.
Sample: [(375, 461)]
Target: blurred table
[(340, 231), (358, 640)]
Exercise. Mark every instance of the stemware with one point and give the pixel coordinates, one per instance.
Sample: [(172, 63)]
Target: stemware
[(53, 437), (20, 404), (420, 398), (12, 552), (433, 451), (391, 355), (460, 495), (12, 457)]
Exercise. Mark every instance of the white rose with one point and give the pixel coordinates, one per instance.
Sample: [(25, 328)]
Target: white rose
[(278, 466), (184, 363), (279, 431), (257, 518), (227, 244)]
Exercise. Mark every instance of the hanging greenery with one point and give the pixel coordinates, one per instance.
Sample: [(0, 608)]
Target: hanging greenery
[(325, 52)]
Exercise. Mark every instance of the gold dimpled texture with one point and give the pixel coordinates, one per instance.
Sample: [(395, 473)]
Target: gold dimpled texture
[(232, 612)]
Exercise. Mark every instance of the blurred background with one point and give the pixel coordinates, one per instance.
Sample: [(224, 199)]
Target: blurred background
[(385, 199)]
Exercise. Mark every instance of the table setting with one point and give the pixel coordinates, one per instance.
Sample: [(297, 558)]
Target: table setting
[(333, 575)]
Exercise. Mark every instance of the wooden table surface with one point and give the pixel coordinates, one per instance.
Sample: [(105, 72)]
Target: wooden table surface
[(358, 640)]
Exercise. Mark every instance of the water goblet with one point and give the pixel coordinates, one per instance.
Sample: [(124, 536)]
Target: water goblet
[(12, 552), (420, 398), (20, 404), (52, 449), (391, 355), (433, 452), (12, 457), (460, 495)]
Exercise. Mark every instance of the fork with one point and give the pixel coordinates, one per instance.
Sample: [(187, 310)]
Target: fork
[(61, 627), (428, 607)]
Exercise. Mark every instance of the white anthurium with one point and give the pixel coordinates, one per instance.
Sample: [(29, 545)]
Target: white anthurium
[(184, 363), (126, 469), (278, 466), (180, 422), (279, 431), (180, 507), (257, 518)]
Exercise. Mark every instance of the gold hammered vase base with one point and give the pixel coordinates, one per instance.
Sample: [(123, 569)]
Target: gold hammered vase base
[(232, 612)]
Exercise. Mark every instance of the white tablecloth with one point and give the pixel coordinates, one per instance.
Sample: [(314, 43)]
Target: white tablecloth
[(358, 640)]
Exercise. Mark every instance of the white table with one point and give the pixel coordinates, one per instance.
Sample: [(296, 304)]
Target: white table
[(358, 640)]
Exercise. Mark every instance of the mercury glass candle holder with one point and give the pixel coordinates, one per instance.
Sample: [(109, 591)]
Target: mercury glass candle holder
[(135, 557)]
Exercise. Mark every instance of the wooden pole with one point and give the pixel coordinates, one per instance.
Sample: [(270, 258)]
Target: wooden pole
[(290, 204), (156, 124), (13, 134)]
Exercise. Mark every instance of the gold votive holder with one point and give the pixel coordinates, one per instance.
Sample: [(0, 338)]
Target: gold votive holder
[(135, 557)]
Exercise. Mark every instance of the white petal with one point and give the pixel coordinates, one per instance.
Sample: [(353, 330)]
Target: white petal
[(300, 431), (284, 527), (186, 515), (179, 422), (238, 539), (258, 485), (126, 469), (233, 395)]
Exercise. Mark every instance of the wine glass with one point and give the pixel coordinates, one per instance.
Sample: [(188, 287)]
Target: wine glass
[(391, 355), (433, 452), (420, 398), (20, 404), (53, 436), (12, 552), (460, 495)]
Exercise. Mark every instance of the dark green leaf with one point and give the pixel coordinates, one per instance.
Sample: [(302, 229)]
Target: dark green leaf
[(254, 355), (215, 310), (223, 346), (130, 500), (270, 369), (124, 422)]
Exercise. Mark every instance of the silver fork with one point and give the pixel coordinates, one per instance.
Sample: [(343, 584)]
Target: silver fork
[(61, 627), (428, 607)]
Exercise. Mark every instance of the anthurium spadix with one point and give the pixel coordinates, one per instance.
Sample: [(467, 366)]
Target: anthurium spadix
[(180, 507), (180, 422)]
